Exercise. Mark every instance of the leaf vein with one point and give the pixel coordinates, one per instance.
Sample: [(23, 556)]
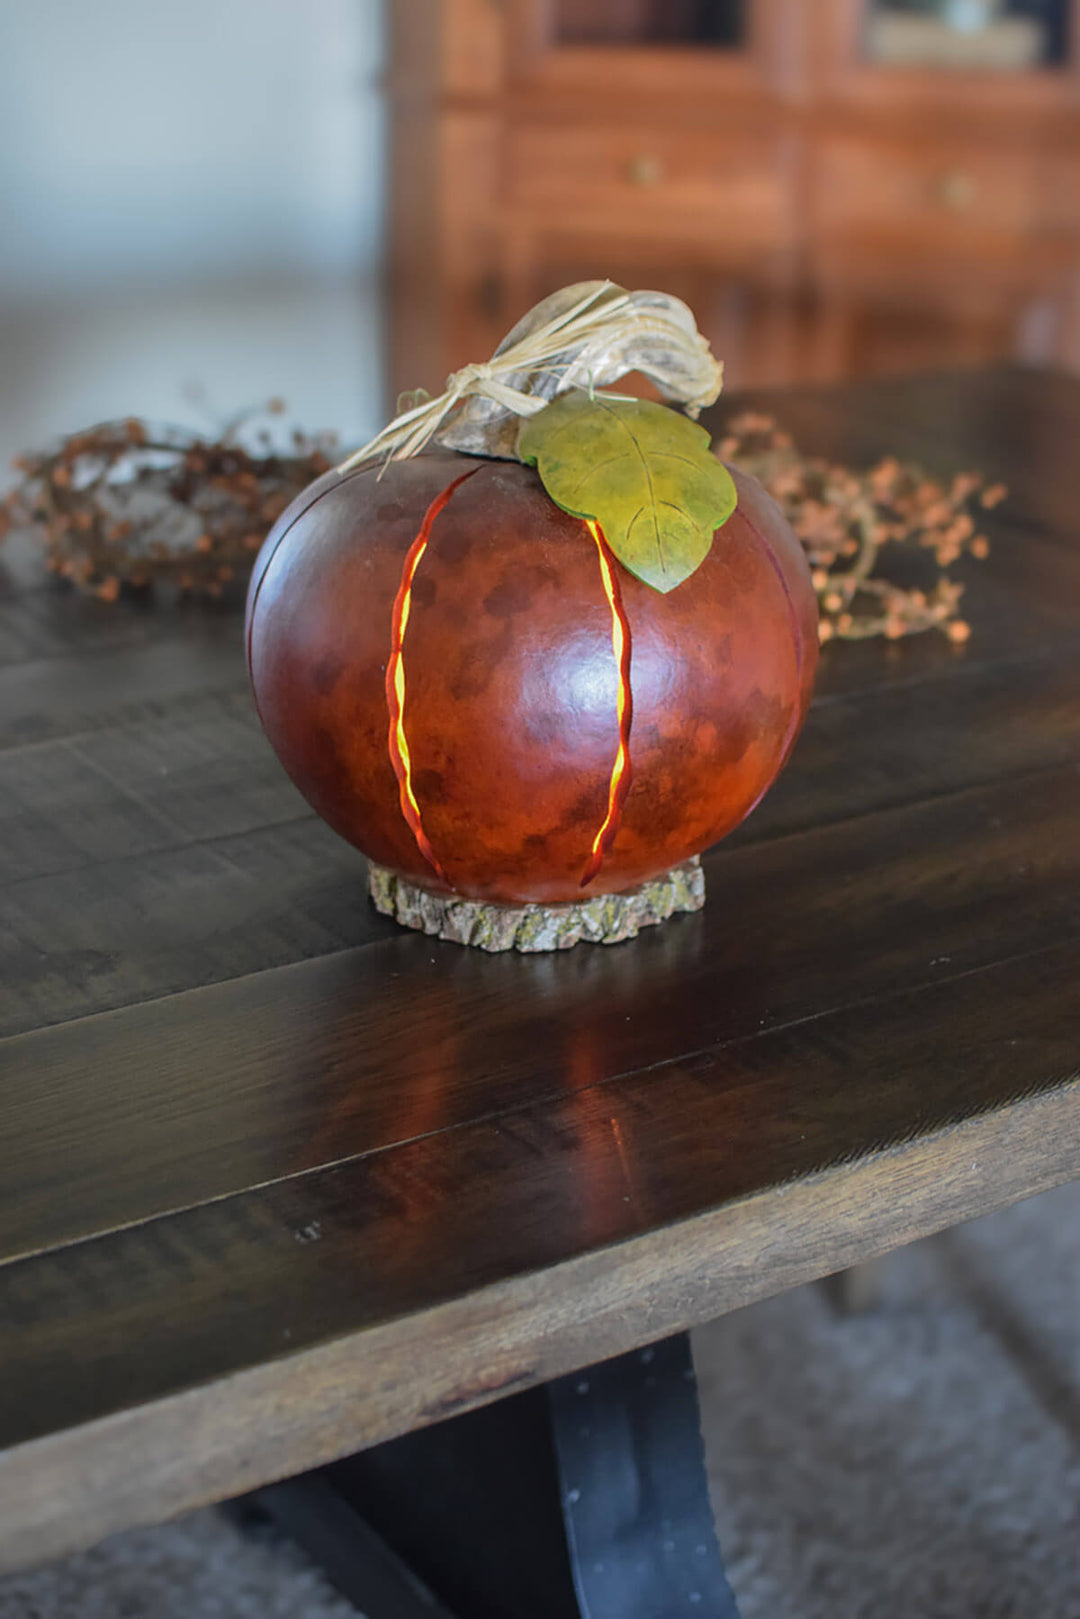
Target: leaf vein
[(648, 479)]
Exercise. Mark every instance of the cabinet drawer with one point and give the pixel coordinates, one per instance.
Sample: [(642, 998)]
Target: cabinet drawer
[(1059, 192), (923, 190), (730, 191)]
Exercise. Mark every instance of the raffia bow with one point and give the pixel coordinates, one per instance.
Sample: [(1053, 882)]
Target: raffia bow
[(582, 337)]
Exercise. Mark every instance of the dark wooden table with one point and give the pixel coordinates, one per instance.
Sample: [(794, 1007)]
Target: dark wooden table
[(281, 1182)]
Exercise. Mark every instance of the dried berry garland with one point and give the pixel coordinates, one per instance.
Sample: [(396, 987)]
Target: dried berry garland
[(124, 504), (845, 519), (128, 505)]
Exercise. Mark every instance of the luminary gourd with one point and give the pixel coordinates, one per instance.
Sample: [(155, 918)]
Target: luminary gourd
[(532, 683)]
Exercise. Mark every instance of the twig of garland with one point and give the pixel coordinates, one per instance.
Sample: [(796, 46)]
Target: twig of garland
[(124, 504), (848, 520)]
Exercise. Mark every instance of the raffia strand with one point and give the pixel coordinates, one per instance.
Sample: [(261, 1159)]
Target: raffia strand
[(606, 320)]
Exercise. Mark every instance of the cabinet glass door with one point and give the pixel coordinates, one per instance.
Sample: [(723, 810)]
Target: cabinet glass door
[(719, 23), (1001, 35)]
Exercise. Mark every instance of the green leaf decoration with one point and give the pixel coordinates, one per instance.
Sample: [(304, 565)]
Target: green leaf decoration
[(641, 471)]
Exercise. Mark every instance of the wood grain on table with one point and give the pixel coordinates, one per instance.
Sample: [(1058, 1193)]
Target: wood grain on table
[(280, 1180)]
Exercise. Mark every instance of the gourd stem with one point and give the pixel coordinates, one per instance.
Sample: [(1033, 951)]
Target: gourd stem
[(582, 337)]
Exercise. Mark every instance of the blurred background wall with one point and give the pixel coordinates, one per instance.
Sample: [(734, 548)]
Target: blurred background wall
[(191, 203)]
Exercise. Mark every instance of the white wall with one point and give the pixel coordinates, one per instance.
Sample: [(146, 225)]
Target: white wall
[(142, 139), (190, 202)]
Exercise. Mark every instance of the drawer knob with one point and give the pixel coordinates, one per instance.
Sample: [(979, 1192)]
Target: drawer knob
[(955, 190), (644, 170)]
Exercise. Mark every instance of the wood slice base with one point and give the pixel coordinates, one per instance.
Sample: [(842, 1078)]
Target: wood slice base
[(486, 925)]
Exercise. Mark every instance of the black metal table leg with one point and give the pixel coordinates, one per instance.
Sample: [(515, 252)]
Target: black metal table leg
[(586, 1499), (635, 1497), (353, 1556)]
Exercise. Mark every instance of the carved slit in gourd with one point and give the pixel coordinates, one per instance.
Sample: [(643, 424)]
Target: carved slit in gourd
[(395, 677), (400, 757), (621, 773), (797, 639)]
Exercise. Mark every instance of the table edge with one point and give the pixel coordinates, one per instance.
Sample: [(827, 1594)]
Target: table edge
[(68, 1490)]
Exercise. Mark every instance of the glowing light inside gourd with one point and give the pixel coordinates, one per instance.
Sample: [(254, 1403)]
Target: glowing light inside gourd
[(400, 757), (620, 771)]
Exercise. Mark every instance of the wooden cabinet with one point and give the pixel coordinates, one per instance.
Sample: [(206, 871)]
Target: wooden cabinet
[(828, 213)]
